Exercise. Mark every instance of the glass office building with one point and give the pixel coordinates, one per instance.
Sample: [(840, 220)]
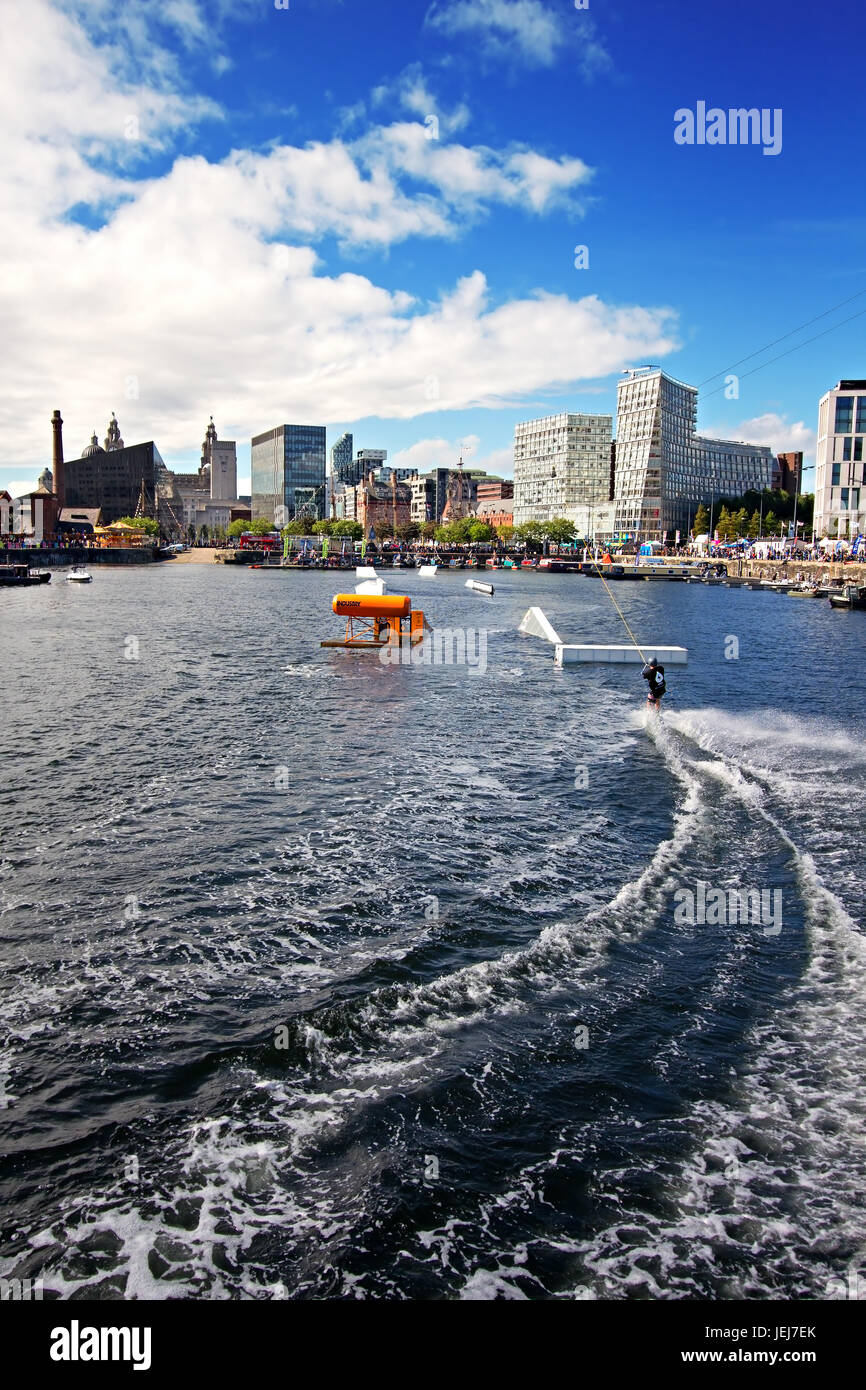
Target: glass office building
[(288, 471)]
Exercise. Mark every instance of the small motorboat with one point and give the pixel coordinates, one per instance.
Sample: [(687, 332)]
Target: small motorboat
[(851, 596), (79, 575)]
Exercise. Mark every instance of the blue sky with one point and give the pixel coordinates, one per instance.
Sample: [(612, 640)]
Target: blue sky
[(365, 215)]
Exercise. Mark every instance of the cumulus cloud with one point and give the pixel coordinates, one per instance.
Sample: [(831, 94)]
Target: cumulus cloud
[(193, 292), (438, 452), (525, 32), (411, 91), (781, 434)]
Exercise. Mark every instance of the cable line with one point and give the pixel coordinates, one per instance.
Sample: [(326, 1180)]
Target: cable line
[(767, 346)]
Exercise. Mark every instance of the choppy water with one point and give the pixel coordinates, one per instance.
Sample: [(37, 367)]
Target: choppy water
[(329, 979)]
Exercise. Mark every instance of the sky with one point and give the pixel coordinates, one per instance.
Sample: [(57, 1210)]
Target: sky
[(365, 215)]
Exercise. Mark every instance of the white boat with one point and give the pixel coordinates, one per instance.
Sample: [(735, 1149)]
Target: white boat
[(79, 575)]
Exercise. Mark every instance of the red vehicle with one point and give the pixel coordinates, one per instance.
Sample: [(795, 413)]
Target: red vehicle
[(270, 543)]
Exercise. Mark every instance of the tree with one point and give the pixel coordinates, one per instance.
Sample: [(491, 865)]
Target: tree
[(456, 532), (531, 532), (323, 528), (741, 522), (382, 530), (702, 521), (409, 531), (142, 523), (349, 528), (724, 525), (295, 528), (428, 530), (480, 531), (505, 533), (237, 528), (203, 533), (755, 525), (260, 527), (771, 523), (560, 531)]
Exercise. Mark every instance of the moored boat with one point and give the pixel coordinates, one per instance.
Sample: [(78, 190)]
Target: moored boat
[(851, 596), (14, 575)]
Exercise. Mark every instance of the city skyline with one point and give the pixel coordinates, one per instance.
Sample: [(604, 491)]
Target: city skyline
[(451, 235)]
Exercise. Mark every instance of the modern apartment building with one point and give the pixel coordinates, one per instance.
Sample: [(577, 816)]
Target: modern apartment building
[(840, 494), (664, 470), (288, 471), (561, 466)]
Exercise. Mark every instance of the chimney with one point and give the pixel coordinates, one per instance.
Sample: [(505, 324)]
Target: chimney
[(59, 476)]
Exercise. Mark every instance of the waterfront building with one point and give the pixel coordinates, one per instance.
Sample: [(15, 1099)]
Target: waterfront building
[(113, 477), (496, 515), (664, 470), (376, 502), (787, 473), (209, 496), (288, 471), (840, 487), (561, 464), (429, 493), (79, 521), (491, 491), (35, 514)]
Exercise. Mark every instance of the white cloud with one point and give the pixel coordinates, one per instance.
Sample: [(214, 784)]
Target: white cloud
[(526, 32), (193, 295), (782, 435), (438, 452), (19, 487), (411, 92), (527, 26)]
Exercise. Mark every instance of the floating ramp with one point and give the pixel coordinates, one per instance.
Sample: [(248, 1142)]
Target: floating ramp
[(535, 624), (571, 655)]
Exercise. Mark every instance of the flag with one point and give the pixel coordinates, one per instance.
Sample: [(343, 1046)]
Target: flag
[(363, 546), (285, 547), (324, 547)]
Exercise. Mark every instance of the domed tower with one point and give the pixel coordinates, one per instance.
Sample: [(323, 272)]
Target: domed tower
[(112, 439), (92, 448)]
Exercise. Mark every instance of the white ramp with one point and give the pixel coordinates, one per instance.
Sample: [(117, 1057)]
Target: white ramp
[(371, 586), (535, 624), (365, 572), (572, 654), (427, 571)]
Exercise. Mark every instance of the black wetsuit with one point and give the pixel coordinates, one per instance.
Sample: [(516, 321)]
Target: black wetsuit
[(655, 676)]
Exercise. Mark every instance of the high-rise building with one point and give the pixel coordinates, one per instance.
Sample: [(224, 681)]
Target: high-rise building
[(288, 472), (341, 458), (561, 466), (664, 470), (840, 495)]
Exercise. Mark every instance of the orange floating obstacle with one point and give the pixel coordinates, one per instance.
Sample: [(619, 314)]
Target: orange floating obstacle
[(377, 620)]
